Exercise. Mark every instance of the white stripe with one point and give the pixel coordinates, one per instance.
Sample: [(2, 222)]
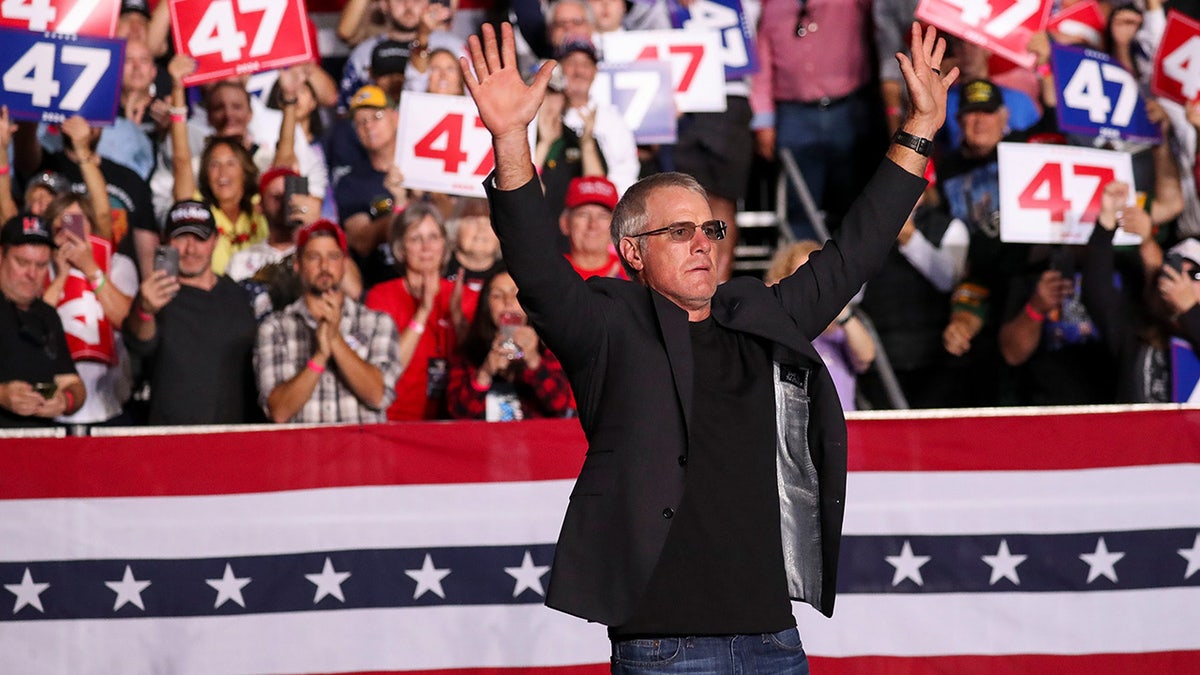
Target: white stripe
[(965, 502), (488, 514), (305, 642), (1006, 623)]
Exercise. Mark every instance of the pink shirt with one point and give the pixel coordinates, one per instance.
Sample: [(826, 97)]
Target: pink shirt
[(832, 61)]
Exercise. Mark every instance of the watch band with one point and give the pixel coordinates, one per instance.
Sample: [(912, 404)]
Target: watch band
[(921, 146)]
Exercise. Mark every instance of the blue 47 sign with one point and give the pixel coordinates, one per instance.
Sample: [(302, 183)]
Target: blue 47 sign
[(49, 77), (1097, 97), (726, 16)]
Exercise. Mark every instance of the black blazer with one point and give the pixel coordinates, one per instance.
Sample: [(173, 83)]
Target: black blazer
[(627, 353)]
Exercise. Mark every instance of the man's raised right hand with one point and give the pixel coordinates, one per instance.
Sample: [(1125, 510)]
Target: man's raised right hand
[(506, 104)]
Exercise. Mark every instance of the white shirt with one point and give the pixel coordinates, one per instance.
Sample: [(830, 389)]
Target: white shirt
[(615, 140)]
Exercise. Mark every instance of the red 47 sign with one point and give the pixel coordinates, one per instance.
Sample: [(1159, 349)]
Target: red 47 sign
[(1177, 63), (442, 145), (69, 17), (1050, 194), (231, 37), (1002, 26)]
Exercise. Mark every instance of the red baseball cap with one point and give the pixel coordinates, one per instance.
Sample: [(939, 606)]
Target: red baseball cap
[(322, 225), (591, 190), (271, 174)]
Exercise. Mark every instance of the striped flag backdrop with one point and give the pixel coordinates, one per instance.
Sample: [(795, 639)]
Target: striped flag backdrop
[(1064, 542)]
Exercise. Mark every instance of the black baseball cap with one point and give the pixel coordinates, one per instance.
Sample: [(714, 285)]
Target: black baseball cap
[(190, 217), (26, 229), (979, 96)]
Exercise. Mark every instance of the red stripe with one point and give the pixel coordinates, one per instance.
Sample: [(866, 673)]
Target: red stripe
[(290, 459), (1026, 443), (471, 452)]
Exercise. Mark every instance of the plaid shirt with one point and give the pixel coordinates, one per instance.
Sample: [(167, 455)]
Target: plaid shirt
[(287, 340)]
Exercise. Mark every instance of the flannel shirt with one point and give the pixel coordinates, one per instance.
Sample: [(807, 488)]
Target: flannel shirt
[(287, 340)]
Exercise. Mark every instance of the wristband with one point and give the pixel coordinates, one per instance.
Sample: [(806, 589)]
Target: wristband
[(178, 110), (98, 282), (479, 387), (921, 146), (1033, 313), (70, 401), (143, 315), (314, 366), (178, 118), (893, 111), (399, 208), (1043, 70), (4, 170), (418, 327)]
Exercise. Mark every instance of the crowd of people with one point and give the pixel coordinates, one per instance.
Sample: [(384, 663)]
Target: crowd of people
[(247, 250)]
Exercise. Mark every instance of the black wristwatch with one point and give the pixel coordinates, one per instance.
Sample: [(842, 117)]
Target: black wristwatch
[(921, 146)]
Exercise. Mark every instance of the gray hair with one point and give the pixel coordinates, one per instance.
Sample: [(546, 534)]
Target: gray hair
[(409, 218), (586, 6), (631, 215)]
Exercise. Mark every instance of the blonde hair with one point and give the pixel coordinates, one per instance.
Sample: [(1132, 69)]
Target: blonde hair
[(788, 259)]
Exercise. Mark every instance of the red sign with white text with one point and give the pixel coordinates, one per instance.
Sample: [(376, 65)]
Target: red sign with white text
[(1001, 26), (67, 17), (233, 37), (1177, 64)]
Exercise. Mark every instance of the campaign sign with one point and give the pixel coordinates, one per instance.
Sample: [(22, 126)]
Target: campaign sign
[(1177, 63), (737, 37), (232, 37), (1050, 194), (697, 71), (641, 90), (1097, 97), (50, 77), (1001, 26), (442, 145), (71, 17), (1082, 20), (1185, 372)]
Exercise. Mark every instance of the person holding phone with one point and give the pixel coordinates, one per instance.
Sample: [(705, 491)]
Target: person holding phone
[(194, 328), (503, 372), (38, 380), (91, 280)]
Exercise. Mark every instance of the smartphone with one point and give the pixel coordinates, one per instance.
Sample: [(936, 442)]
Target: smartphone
[(46, 389), (293, 185), (73, 223), (1174, 261), (166, 258)]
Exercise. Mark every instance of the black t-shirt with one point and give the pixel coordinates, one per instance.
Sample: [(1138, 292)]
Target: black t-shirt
[(200, 357), (33, 349), (128, 193), (721, 571)]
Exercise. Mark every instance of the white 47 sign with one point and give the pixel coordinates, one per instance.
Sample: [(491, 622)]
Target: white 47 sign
[(230, 37), (442, 145), (1050, 194)]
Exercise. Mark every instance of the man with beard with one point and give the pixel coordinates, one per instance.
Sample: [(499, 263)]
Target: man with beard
[(326, 358), (195, 330)]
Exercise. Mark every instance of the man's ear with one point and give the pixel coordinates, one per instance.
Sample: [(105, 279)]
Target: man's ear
[(631, 254), (562, 224)]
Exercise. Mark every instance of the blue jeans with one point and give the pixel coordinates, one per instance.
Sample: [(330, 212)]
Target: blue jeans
[(765, 654), (829, 145)]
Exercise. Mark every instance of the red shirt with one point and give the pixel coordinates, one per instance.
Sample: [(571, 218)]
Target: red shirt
[(437, 342), (611, 268)]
